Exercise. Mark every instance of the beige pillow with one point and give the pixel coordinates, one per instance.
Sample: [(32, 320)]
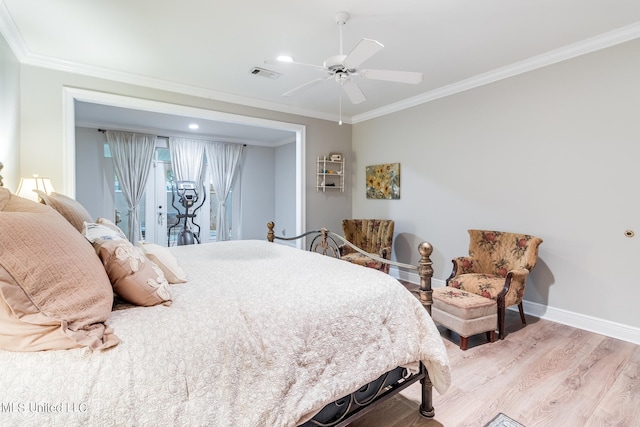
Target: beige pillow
[(69, 208), (55, 293), (19, 335), (167, 262), (134, 277)]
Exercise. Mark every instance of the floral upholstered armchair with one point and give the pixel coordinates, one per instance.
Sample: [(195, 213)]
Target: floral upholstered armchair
[(497, 267), (374, 236)]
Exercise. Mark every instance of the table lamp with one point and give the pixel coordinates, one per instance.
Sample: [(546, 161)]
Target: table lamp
[(28, 185)]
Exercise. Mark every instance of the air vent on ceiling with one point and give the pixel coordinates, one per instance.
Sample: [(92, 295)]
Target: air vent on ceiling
[(257, 71)]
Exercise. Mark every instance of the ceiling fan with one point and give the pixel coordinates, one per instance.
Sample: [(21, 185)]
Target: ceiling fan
[(342, 68)]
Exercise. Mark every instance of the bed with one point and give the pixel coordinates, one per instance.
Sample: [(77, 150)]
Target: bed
[(261, 334)]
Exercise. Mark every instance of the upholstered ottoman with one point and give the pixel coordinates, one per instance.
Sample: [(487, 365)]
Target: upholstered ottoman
[(465, 313)]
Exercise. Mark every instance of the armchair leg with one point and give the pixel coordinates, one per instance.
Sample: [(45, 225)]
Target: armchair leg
[(501, 314), (464, 343), (521, 309), (491, 336)]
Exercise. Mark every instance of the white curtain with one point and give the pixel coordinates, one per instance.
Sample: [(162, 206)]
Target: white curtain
[(186, 159), (132, 156), (224, 161)]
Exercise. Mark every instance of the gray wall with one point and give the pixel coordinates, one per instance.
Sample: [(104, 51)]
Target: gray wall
[(258, 191), (90, 172), (285, 188), (9, 116), (553, 153)]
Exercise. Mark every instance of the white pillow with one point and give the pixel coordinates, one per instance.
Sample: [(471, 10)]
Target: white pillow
[(108, 223), (93, 231), (165, 260)]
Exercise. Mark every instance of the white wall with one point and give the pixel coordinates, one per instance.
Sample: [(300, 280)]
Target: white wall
[(553, 153), (9, 116)]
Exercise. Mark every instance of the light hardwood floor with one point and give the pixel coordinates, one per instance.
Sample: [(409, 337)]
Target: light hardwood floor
[(541, 374)]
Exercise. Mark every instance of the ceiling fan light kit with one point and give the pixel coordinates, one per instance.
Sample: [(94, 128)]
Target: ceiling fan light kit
[(343, 68), (284, 58)]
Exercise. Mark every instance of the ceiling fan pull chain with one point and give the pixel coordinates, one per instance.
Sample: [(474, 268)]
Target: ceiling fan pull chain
[(340, 102)]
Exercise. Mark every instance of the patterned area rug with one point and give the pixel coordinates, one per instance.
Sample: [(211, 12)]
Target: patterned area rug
[(501, 420)]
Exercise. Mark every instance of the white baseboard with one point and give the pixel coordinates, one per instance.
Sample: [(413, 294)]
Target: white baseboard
[(558, 315)]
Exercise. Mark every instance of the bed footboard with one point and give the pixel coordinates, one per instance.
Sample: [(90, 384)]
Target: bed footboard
[(346, 410), (328, 243)]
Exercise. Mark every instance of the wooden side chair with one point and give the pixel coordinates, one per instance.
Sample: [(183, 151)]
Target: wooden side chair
[(497, 268), (374, 236)]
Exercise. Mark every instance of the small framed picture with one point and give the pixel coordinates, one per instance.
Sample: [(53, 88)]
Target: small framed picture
[(335, 157)]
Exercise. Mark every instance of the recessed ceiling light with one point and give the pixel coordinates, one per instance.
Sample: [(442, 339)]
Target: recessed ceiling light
[(284, 58), (193, 126)]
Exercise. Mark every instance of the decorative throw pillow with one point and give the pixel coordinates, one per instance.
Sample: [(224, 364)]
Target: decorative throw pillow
[(167, 262), (134, 277), (56, 293), (108, 223), (93, 231), (69, 208)]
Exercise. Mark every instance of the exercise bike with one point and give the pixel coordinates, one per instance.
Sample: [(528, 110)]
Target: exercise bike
[(187, 192)]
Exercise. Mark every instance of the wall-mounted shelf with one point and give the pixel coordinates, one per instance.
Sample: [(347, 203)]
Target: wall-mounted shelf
[(329, 174)]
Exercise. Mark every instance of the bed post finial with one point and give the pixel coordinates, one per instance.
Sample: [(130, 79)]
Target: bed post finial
[(425, 270), (270, 233)]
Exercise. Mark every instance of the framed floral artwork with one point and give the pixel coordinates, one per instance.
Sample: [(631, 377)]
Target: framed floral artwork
[(383, 181)]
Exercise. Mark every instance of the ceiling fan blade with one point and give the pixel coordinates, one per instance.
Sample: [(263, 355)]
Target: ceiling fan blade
[(392, 76), (364, 50), (276, 62), (353, 92), (305, 86)]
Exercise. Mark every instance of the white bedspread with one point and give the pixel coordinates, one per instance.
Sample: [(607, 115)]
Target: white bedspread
[(261, 335)]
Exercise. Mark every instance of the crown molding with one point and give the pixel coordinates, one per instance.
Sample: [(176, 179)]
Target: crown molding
[(154, 83), (13, 37), (593, 44), (16, 43), (11, 33)]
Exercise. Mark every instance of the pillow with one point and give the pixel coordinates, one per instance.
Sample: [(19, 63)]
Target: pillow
[(133, 277), (55, 293), (167, 262), (19, 335), (93, 231), (108, 223), (69, 208)]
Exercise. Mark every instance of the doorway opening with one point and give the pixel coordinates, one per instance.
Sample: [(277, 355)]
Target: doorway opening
[(73, 97)]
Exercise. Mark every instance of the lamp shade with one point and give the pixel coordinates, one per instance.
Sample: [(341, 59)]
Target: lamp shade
[(28, 185)]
